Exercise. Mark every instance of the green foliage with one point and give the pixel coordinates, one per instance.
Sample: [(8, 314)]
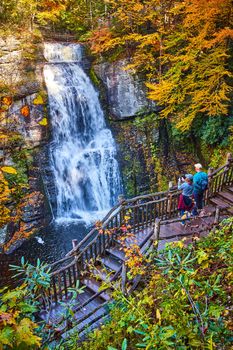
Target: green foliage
[(18, 329), (94, 77), (19, 309), (185, 302), (214, 131)]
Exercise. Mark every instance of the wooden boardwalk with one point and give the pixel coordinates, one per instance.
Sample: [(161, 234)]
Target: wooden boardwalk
[(100, 258)]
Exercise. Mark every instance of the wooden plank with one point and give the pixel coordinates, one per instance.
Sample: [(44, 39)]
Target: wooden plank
[(94, 286), (99, 273), (226, 195), (119, 254), (219, 202), (111, 263), (230, 210)]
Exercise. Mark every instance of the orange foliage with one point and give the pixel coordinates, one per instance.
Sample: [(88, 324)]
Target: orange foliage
[(25, 111), (99, 39)]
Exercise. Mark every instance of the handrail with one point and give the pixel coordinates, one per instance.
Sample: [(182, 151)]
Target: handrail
[(93, 230), (213, 173), (121, 206)]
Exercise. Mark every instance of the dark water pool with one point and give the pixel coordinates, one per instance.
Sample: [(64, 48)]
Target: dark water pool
[(54, 241)]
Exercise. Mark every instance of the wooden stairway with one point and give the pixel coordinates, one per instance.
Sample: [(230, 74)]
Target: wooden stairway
[(99, 258), (91, 306)]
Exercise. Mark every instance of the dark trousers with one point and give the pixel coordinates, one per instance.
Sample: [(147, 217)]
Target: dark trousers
[(198, 197)]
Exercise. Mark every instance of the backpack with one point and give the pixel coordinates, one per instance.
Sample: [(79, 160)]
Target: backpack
[(204, 184)]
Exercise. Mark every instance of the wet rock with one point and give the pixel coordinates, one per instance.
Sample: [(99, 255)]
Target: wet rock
[(126, 94), (32, 207), (3, 234), (29, 126), (26, 89)]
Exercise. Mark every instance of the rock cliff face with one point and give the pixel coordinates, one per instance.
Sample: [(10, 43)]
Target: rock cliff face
[(10, 60), (125, 92), (21, 67), (24, 113), (125, 96)]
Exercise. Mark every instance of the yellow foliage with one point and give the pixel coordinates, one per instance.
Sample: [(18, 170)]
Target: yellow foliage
[(7, 100), (43, 122), (24, 333), (187, 70), (9, 170), (5, 193), (38, 100)]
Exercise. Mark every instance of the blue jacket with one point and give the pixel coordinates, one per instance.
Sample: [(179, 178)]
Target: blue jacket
[(187, 189), (200, 182)]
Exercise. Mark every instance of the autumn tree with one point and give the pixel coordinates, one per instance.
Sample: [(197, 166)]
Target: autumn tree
[(182, 47), (195, 60)]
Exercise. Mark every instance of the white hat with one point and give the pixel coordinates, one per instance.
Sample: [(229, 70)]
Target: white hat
[(198, 166)]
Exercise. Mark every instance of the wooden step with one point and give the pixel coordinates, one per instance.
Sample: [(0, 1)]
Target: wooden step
[(111, 263), (84, 327), (219, 202), (230, 210), (230, 189), (94, 286), (57, 310), (100, 274), (226, 196), (119, 254)]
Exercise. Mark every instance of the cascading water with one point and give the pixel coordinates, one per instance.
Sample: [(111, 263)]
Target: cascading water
[(83, 152)]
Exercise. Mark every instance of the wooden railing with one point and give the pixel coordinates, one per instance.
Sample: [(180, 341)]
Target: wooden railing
[(143, 211), (220, 178)]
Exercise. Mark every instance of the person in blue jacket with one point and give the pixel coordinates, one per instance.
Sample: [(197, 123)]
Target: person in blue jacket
[(185, 204), (200, 185)]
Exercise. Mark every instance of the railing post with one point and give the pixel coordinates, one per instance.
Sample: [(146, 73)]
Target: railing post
[(76, 271), (208, 192), (217, 216), (229, 158), (124, 279), (170, 185), (121, 199), (229, 162), (74, 245), (169, 204), (156, 233)]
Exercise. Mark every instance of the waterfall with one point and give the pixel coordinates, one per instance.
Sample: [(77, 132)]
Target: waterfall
[(83, 151)]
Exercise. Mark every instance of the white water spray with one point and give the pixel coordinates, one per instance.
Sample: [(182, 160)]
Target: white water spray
[(83, 152)]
